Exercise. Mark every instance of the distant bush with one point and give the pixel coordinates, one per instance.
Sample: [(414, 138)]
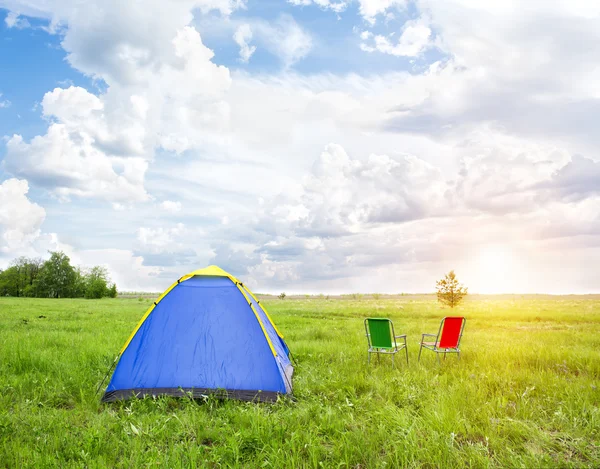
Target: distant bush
[(282, 296)]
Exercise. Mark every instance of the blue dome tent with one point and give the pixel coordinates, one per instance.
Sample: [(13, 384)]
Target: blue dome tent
[(206, 334)]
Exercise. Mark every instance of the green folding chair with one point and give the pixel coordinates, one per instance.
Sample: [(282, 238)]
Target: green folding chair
[(382, 338)]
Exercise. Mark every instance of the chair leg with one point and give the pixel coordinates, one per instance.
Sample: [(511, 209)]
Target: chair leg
[(420, 350), (406, 351), (393, 360), (445, 354), (368, 358)]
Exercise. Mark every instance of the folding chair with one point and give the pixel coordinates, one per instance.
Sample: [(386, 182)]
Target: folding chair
[(447, 339), (382, 338)]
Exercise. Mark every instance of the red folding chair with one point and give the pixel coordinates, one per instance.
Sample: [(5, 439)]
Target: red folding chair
[(447, 339)]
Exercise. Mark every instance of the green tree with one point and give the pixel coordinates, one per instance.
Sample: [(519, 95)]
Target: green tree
[(9, 282), (97, 282), (27, 270), (56, 278), (80, 283), (449, 291)]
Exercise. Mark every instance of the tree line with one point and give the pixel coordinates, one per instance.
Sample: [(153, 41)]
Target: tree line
[(55, 278)]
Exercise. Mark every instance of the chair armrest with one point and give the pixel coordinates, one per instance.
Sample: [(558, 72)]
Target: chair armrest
[(399, 336), (427, 335)]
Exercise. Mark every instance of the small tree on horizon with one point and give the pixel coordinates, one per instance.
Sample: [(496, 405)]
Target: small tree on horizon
[(449, 291)]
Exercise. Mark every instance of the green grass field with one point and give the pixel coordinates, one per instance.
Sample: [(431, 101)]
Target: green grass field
[(524, 394)]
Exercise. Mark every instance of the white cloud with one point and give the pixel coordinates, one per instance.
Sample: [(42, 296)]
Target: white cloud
[(172, 246), (337, 7), (367, 219), (414, 39), (126, 269), (428, 169), (342, 194), (159, 237), (98, 146), (369, 9), (242, 37), (20, 219), (69, 164), (577, 180), (4, 103), (284, 38), (170, 206), (13, 20), (120, 42)]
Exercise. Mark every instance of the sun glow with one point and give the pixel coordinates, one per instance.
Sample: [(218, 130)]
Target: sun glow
[(494, 270)]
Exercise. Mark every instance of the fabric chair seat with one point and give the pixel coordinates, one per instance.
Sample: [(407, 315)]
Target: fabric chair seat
[(382, 339), (447, 339)]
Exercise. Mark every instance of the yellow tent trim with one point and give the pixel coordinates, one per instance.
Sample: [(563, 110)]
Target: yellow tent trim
[(265, 311), (262, 326), (210, 271)]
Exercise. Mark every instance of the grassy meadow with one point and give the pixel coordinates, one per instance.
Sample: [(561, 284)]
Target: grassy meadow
[(524, 394)]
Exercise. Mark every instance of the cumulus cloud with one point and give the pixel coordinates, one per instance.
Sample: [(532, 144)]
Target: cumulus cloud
[(159, 237), (354, 217), (369, 9), (414, 39), (428, 168), (70, 165), (122, 43), (242, 37), (20, 219), (577, 180), (170, 206), (175, 245), (342, 194), (99, 146)]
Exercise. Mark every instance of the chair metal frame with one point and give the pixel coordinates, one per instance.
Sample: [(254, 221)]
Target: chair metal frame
[(381, 350), (433, 346)]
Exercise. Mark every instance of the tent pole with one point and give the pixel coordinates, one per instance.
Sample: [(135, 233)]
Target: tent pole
[(107, 373)]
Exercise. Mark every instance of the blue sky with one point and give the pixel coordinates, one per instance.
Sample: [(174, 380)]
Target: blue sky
[(358, 145)]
